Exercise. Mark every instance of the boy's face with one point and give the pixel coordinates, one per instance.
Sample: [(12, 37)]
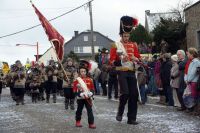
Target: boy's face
[(69, 63), (125, 37), (83, 72)]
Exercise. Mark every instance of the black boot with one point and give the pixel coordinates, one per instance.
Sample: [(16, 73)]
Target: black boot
[(119, 117), (17, 100), (43, 98), (72, 104), (132, 122), (35, 100), (61, 93), (22, 100), (47, 98), (32, 96), (122, 102), (66, 103), (54, 97), (32, 99)]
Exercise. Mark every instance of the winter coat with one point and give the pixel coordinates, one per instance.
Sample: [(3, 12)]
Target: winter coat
[(192, 75), (175, 76), (97, 73), (141, 78), (165, 72), (198, 82), (157, 74), (103, 77), (182, 84)]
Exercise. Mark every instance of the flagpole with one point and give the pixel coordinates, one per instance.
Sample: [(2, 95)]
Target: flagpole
[(59, 61), (44, 24)]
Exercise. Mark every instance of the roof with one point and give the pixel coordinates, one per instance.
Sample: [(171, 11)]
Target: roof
[(192, 5), (86, 32), (45, 52)]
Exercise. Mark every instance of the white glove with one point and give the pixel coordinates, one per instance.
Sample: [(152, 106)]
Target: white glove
[(119, 51), (83, 95), (90, 94)]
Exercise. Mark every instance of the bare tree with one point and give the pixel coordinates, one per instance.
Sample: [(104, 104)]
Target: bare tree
[(179, 10)]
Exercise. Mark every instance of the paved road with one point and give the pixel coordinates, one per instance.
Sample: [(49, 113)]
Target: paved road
[(52, 118)]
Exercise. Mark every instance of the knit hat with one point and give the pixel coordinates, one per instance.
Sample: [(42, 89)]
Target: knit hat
[(174, 58)]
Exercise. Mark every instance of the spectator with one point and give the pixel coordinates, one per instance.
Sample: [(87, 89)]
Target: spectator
[(181, 64), (165, 79), (175, 79), (191, 78), (141, 77)]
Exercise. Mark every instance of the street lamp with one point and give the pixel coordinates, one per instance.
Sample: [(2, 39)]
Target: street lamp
[(37, 46)]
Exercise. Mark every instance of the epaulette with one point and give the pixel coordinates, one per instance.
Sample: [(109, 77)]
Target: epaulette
[(113, 45)]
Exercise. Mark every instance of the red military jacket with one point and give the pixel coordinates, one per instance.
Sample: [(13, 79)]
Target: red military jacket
[(87, 80), (130, 47)]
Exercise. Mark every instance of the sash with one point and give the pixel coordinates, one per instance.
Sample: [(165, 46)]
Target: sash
[(120, 47), (82, 84)]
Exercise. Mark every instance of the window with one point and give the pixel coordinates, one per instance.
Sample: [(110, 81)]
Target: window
[(94, 38), (96, 48), (87, 49), (78, 49), (85, 38), (75, 49)]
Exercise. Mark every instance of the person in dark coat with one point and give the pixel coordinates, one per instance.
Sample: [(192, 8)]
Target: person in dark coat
[(182, 59), (165, 79)]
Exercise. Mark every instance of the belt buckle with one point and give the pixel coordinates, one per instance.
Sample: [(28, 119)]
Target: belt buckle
[(124, 69)]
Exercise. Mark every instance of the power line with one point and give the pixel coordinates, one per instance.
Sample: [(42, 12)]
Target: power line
[(48, 20), (27, 9)]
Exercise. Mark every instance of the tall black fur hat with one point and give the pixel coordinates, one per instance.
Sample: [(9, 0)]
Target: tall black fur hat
[(84, 64), (127, 23)]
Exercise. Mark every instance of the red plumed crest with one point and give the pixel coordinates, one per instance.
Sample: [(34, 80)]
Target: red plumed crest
[(135, 22)]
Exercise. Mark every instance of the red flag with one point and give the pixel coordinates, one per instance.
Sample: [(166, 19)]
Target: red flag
[(52, 33)]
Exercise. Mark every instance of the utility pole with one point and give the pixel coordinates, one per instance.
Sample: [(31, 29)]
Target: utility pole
[(91, 26)]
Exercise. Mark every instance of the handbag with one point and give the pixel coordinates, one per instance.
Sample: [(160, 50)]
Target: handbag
[(188, 100)]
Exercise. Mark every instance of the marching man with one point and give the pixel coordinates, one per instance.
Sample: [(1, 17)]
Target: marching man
[(84, 88)]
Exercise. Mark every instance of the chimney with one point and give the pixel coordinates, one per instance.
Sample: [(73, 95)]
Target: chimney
[(75, 33)]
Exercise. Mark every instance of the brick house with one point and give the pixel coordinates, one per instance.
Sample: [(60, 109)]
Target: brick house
[(192, 18)]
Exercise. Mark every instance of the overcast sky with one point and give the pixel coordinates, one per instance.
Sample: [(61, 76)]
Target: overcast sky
[(16, 15)]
